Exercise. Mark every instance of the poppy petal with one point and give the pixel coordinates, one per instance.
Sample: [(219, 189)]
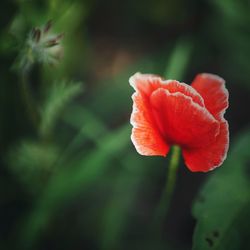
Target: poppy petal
[(207, 158), (148, 83), (145, 83), (174, 86), (212, 89), (182, 121), (145, 136)]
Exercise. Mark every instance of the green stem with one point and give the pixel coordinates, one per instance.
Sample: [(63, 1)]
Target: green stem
[(167, 193), (28, 100)]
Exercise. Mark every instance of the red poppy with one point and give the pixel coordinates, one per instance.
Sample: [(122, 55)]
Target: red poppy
[(168, 112)]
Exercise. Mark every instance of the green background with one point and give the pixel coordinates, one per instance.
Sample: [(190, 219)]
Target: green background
[(74, 180)]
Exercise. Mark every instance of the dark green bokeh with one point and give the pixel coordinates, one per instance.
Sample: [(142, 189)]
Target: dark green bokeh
[(74, 180)]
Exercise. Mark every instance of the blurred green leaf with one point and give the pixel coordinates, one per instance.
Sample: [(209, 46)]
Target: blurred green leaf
[(78, 177), (178, 61), (88, 127), (228, 30), (221, 206), (59, 95), (85, 122), (125, 191), (237, 11)]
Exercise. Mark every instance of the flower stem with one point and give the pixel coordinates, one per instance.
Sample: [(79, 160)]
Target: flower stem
[(167, 193), (28, 100)]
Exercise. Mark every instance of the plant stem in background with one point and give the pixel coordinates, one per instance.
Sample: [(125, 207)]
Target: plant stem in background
[(168, 190), (29, 101)]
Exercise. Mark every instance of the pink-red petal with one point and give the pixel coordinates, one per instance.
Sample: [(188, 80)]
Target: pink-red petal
[(182, 121), (207, 158), (174, 86), (146, 84), (145, 136), (212, 89)]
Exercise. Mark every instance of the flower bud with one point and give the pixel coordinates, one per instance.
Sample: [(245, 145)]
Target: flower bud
[(42, 46)]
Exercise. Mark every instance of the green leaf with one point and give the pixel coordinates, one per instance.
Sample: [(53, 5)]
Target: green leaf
[(87, 123), (124, 194), (221, 208), (179, 59), (79, 176), (59, 95)]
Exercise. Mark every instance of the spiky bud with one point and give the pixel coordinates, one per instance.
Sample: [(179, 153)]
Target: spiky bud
[(42, 46)]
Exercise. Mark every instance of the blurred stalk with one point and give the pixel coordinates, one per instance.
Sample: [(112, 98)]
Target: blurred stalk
[(168, 190), (79, 176), (28, 99), (179, 59)]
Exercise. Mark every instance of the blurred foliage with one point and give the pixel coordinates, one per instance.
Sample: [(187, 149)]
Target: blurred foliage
[(70, 177), (233, 31), (32, 162), (57, 97), (223, 203)]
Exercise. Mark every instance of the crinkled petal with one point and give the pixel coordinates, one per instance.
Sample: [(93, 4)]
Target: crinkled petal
[(212, 89), (174, 86), (207, 158), (146, 84), (181, 120), (145, 136)]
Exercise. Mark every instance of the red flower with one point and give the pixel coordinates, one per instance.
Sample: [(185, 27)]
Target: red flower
[(168, 112)]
